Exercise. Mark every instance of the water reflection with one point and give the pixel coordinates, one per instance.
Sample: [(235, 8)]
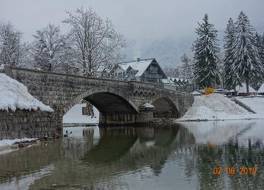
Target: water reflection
[(183, 157)]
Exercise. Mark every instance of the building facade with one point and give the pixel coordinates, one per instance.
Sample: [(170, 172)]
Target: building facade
[(144, 70)]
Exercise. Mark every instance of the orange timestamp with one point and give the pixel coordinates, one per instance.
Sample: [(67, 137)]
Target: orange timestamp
[(231, 171)]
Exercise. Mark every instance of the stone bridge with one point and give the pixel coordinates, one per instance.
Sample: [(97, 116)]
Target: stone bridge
[(119, 102)]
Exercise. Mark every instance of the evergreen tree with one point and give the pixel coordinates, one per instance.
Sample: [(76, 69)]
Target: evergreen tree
[(260, 48), (231, 80), (247, 64), (205, 55)]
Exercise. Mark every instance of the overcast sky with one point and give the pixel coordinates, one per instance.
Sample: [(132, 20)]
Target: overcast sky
[(135, 19)]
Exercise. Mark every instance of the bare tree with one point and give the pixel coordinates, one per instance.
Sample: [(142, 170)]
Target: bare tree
[(9, 45), (186, 68), (95, 39), (48, 47)]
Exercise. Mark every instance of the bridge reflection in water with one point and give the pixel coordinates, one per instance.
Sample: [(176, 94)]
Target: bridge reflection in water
[(136, 158)]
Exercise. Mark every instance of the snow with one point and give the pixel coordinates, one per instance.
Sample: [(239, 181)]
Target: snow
[(216, 107), (148, 105), (5, 143), (74, 115), (261, 89), (255, 103), (139, 66), (124, 66), (167, 81), (15, 95), (196, 93), (243, 89)]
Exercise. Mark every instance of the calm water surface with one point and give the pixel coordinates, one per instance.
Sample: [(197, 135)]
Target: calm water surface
[(181, 157)]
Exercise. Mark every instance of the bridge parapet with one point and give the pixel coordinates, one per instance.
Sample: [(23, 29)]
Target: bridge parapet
[(116, 100)]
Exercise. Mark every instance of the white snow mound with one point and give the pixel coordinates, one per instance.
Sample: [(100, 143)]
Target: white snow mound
[(14, 95), (215, 107), (74, 115)]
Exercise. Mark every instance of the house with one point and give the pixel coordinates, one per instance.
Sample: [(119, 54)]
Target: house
[(172, 83), (196, 93), (261, 90), (242, 90), (102, 72), (146, 70)]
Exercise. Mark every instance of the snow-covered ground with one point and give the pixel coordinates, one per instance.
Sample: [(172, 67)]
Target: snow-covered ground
[(5, 144), (9, 142), (74, 115), (256, 103), (217, 107), (14, 95)]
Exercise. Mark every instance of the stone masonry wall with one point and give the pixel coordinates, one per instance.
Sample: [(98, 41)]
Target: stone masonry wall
[(61, 92), (30, 124)]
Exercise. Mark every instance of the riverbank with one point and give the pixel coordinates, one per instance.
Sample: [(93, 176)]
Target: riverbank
[(75, 116), (9, 145), (217, 107)]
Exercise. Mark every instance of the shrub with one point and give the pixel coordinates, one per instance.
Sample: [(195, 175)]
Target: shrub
[(209, 90)]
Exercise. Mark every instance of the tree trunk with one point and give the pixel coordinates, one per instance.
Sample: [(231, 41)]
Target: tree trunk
[(247, 85), (90, 61), (84, 63)]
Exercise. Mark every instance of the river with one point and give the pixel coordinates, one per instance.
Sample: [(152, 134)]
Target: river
[(195, 155)]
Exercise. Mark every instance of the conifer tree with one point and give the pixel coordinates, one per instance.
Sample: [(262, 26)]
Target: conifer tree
[(247, 64), (205, 55), (231, 79), (260, 48)]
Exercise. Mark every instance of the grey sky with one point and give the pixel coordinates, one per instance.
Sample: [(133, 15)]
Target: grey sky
[(163, 29), (135, 19)]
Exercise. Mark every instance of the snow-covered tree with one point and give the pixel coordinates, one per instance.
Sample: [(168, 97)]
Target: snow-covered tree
[(260, 48), (9, 45), (247, 63), (95, 39), (47, 47), (231, 78), (205, 55), (186, 68)]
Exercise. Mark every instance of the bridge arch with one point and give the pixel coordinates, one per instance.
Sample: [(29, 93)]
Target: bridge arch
[(165, 108), (105, 100)]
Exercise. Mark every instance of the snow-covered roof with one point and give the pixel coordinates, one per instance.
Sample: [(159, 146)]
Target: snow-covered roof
[(171, 80), (14, 95), (261, 89), (138, 65), (102, 68), (123, 66), (196, 93), (177, 79), (243, 89), (148, 105), (167, 81)]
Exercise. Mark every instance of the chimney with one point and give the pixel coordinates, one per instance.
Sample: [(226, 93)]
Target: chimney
[(138, 59)]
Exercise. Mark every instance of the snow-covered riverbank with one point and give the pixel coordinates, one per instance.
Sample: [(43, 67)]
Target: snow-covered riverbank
[(74, 115), (218, 107), (7, 145)]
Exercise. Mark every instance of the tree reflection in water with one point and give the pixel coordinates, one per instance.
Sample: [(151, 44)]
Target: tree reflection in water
[(182, 156)]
